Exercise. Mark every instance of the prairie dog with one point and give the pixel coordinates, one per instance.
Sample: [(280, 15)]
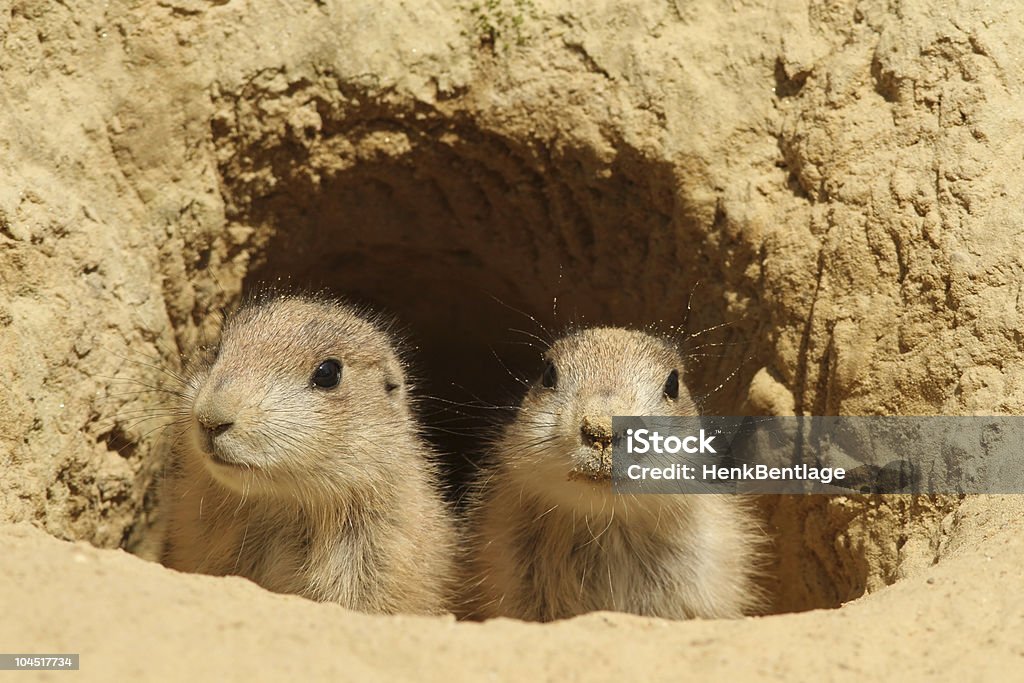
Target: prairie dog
[(300, 465), (549, 537)]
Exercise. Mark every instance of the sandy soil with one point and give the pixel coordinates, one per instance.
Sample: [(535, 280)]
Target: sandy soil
[(132, 619), (838, 184)]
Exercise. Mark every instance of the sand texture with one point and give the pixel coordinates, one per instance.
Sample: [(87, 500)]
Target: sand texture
[(834, 189)]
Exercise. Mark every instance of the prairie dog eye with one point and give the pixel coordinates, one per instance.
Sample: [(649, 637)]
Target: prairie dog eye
[(327, 375), (550, 377), (672, 385)]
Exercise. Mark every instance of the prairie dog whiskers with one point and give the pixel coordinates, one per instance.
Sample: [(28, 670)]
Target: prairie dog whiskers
[(299, 464), (549, 538)]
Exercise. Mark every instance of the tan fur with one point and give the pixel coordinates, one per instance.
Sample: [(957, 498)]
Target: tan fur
[(549, 537), (329, 494)]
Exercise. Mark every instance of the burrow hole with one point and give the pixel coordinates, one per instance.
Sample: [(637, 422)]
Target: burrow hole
[(482, 242)]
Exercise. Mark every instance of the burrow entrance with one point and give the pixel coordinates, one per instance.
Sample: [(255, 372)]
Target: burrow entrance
[(481, 245), (482, 242)]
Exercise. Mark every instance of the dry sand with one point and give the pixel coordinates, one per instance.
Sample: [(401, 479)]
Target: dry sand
[(133, 620), (838, 183)]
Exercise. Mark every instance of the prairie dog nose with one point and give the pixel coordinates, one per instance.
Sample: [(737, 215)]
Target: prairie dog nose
[(215, 412), (210, 427), (215, 429), (597, 431)]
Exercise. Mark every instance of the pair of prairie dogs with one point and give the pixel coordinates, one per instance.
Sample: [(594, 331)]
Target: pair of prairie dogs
[(300, 465)]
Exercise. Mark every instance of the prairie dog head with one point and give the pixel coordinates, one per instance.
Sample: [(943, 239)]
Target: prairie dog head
[(562, 436), (301, 398)]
